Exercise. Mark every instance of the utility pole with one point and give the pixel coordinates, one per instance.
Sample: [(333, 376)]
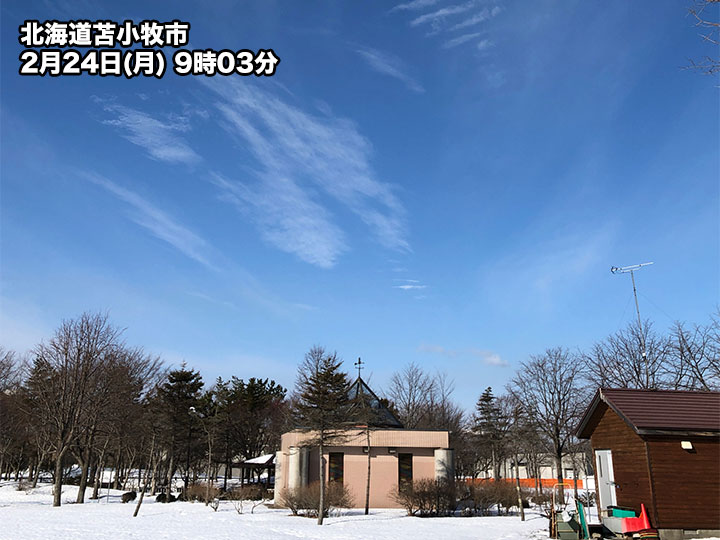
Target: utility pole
[(631, 270)]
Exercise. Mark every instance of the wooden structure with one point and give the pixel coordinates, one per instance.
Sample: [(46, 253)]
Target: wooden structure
[(660, 448)]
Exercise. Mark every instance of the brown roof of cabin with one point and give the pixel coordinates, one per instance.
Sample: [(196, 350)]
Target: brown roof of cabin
[(648, 411)]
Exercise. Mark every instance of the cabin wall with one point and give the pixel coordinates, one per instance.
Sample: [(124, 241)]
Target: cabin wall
[(687, 484), (629, 460)]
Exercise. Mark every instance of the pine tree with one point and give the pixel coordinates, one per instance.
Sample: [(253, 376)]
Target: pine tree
[(181, 392), (491, 427), (322, 403)]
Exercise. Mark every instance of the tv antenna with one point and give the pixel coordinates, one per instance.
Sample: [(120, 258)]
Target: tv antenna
[(631, 270)]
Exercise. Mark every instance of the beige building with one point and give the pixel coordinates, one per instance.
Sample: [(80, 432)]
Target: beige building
[(397, 456)]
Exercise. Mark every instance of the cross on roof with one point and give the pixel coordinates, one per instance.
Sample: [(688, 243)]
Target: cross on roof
[(359, 365)]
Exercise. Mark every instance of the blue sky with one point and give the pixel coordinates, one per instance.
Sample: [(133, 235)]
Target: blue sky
[(444, 182)]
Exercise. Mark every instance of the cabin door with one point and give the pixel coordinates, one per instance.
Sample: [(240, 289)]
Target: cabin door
[(605, 478)]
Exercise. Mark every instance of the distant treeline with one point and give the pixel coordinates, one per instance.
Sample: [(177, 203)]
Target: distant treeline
[(86, 399)]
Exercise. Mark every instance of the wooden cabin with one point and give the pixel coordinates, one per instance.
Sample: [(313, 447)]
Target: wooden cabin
[(661, 449)]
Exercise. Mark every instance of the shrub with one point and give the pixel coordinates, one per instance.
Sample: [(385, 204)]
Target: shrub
[(165, 498), (256, 493), (306, 500), (482, 496), (199, 491), (427, 497), (588, 498), (505, 496)]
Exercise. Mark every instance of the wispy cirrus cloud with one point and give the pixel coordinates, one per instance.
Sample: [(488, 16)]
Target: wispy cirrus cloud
[(414, 5), (450, 19), (155, 220), (460, 40), (489, 358), (160, 139), (288, 218), (482, 16), (390, 65), (440, 14), (300, 156), (409, 284)]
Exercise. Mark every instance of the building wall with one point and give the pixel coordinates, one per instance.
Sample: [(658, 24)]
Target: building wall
[(384, 461), (687, 484), (383, 472), (629, 461)]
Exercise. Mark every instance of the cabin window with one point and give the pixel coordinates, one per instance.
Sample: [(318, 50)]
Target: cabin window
[(337, 463), (405, 471)]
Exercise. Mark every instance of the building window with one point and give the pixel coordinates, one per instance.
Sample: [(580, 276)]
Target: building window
[(405, 471), (336, 467)]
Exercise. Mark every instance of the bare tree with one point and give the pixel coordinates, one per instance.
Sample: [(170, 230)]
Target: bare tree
[(694, 360), (66, 373), (633, 357), (709, 32), (548, 386), (409, 392)]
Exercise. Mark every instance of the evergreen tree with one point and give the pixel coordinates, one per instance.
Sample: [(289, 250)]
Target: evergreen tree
[(491, 426), (181, 392), (322, 404)]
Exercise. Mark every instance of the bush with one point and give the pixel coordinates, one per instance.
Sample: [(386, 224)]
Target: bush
[(482, 496), (256, 493), (427, 497), (165, 498), (485, 495), (306, 500), (198, 492), (588, 498)]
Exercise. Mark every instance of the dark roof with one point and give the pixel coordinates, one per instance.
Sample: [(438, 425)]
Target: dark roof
[(656, 411), (360, 393)]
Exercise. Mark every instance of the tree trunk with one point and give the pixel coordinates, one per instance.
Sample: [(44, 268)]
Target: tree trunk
[(97, 477), (37, 472), (558, 466), (575, 473), (517, 486), (84, 470), (153, 467), (57, 486), (367, 483), (170, 473), (321, 509)]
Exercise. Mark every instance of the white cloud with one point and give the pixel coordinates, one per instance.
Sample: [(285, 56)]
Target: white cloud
[(288, 218), (414, 5), (410, 287), (485, 44), (301, 156), (440, 14), (159, 139), (488, 358), (460, 40), (389, 65), (479, 17), (160, 224)]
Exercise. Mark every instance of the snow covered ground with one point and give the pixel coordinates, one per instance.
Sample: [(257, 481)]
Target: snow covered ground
[(30, 515)]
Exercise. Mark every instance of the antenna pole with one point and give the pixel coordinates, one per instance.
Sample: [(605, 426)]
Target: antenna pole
[(631, 271)]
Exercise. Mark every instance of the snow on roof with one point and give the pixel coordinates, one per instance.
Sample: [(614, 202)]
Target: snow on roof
[(260, 460)]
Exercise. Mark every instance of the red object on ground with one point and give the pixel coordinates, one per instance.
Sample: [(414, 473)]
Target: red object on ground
[(635, 524)]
